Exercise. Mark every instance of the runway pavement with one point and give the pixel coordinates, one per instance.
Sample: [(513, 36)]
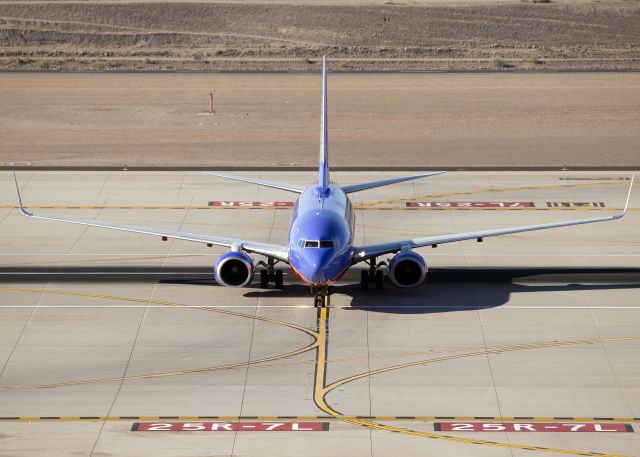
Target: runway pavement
[(102, 330)]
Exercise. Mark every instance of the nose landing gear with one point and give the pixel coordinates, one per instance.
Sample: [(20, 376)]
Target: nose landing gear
[(321, 294)]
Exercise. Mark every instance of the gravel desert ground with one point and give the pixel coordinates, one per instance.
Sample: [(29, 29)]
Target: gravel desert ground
[(375, 120), (384, 35)]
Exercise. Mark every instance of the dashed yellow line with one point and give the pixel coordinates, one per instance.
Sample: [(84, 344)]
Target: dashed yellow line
[(497, 189), (437, 436), (341, 418), (367, 205), (481, 208), (321, 389)]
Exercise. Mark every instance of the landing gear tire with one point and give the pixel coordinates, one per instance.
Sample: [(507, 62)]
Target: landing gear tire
[(264, 279), (279, 280), (321, 299), (364, 279), (379, 279)]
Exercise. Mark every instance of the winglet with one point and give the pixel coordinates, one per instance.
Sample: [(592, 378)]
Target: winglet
[(22, 210), (626, 205)]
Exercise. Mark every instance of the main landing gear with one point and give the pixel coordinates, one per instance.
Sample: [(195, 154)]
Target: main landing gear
[(322, 294), (374, 274), (270, 274)]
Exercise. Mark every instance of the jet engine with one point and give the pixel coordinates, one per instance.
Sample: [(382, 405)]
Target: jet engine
[(407, 269), (234, 269)]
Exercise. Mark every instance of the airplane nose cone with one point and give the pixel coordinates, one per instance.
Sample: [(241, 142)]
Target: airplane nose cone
[(318, 260)]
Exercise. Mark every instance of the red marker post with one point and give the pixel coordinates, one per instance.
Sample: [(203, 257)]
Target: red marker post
[(210, 102)]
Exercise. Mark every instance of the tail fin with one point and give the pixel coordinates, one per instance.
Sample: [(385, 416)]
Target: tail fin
[(323, 172)]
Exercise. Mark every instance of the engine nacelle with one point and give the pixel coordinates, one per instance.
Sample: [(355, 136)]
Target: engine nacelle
[(234, 269), (407, 269)]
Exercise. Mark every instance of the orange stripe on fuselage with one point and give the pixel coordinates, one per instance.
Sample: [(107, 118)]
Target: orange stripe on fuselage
[(306, 281), (299, 275)]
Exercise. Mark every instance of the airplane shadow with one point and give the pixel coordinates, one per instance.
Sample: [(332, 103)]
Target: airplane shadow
[(454, 289), (447, 290)]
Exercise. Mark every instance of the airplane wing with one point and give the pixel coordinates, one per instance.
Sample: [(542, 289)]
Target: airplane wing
[(272, 250), (276, 185), (374, 250), (385, 182)]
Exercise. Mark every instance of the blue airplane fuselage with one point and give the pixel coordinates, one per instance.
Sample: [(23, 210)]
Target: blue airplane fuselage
[(321, 235)]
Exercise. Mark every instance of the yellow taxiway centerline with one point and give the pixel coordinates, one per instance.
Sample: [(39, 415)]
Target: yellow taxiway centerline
[(321, 390)]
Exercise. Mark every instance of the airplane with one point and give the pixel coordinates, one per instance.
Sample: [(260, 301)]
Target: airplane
[(320, 246)]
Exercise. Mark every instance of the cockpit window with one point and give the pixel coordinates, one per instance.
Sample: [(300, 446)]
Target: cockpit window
[(324, 244)]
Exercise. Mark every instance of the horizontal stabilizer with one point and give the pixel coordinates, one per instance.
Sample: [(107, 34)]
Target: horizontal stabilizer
[(385, 182), (276, 185)]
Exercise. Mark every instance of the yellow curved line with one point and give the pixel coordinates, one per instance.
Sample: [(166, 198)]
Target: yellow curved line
[(229, 366), (306, 330), (437, 436), (518, 347), (321, 390), (224, 367), (312, 333)]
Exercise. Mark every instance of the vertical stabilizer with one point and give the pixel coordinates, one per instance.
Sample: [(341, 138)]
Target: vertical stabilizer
[(323, 173)]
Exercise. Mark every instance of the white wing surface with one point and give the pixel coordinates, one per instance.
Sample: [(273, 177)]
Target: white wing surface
[(374, 250), (273, 250)]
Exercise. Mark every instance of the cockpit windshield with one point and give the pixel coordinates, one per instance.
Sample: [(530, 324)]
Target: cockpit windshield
[(323, 244)]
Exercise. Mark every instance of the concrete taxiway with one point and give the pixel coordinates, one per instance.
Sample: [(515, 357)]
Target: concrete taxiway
[(100, 329)]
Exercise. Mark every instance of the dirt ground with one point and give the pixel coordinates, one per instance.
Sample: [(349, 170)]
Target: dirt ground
[(291, 35), (588, 119)]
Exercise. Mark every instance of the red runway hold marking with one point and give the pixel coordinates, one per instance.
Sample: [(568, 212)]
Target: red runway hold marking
[(250, 203), (470, 204), (230, 427), (530, 427)]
